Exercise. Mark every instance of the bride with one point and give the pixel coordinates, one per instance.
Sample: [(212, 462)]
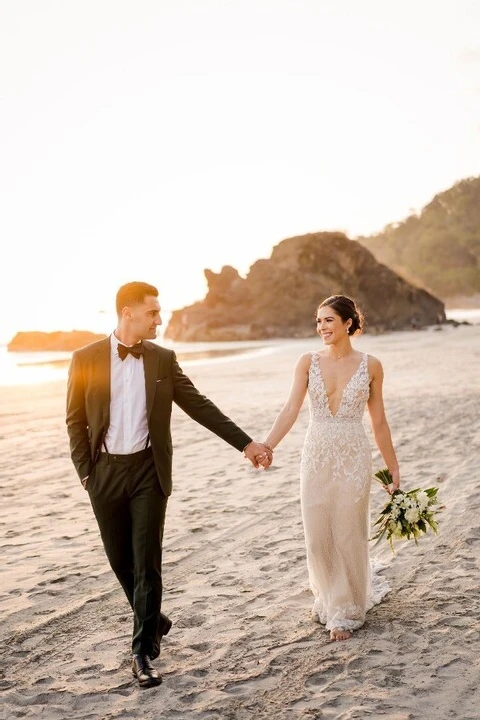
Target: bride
[(336, 467)]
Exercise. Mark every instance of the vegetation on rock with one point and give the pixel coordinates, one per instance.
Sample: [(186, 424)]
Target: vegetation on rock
[(440, 247)]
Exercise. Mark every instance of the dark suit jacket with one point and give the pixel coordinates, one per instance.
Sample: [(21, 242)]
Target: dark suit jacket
[(88, 406)]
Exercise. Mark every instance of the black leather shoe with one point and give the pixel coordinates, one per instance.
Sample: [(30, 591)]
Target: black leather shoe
[(144, 671), (164, 625)]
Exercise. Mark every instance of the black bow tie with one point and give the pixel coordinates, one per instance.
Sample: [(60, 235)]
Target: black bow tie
[(135, 350)]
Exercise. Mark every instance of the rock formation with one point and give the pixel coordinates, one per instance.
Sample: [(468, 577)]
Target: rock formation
[(52, 341), (279, 296)]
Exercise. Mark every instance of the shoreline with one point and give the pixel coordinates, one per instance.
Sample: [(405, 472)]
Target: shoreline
[(40, 367), (49, 368)]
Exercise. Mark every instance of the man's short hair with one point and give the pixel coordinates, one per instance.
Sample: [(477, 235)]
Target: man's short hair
[(133, 293)]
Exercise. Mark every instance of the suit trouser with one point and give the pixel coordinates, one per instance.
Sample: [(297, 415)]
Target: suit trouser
[(130, 510)]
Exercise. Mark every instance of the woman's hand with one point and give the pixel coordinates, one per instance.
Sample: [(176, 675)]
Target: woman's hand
[(267, 459), (395, 484)]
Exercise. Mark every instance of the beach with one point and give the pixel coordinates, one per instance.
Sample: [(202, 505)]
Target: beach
[(243, 644)]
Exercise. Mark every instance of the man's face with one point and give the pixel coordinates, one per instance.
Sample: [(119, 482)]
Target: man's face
[(144, 318)]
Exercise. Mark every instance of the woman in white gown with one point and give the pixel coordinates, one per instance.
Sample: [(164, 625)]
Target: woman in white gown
[(336, 469)]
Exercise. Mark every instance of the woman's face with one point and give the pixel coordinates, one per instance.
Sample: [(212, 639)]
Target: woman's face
[(330, 325)]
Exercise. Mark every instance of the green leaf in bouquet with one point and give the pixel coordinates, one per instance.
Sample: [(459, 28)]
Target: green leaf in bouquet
[(379, 536), (433, 524), (421, 526), (384, 476)]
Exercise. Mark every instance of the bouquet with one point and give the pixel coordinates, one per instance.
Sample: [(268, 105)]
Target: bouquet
[(406, 515)]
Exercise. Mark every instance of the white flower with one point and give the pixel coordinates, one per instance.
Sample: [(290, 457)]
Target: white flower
[(422, 500), (412, 515)]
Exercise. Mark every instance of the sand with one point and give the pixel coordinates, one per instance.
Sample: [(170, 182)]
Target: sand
[(243, 644)]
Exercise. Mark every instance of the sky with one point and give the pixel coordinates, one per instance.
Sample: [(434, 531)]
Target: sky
[(148, 140)]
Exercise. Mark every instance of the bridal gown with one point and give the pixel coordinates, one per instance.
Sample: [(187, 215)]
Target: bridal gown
[(336, 472)]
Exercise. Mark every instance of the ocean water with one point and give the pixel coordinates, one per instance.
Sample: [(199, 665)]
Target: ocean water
[(471, 315), (28, 368)]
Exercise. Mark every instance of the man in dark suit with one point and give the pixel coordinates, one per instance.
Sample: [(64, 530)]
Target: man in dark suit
[(119, 403)]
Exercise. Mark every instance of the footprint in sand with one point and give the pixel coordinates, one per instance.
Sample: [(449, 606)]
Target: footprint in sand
[(90, 670), (372, 659), (455, 621), (452, 669), (124, 689), (255, 554), (226, 581), (44, 681), (324, 677), (6, 685), (200, 647), (252, 686), (191, 622)]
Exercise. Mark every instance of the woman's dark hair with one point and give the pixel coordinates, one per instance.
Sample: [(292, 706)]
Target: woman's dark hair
[(133, 293), (347, 308)]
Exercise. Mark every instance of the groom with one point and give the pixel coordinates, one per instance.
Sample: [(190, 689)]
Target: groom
[(119, 402)]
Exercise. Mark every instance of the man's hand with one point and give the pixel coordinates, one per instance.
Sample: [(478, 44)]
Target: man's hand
[(259, 454)]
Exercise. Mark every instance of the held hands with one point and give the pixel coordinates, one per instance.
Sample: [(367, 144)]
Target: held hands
[(259, 454)]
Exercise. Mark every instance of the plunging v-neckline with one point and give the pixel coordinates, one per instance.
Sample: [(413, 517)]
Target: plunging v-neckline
[(343, 391)]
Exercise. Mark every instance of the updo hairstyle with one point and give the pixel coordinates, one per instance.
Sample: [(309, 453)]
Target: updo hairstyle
[(347, 308)]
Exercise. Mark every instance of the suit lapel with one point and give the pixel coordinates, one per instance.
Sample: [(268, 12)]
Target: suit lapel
[(150, 365), (102, 368)]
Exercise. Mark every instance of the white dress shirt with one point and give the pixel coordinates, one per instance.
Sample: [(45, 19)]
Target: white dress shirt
[(128, 429)]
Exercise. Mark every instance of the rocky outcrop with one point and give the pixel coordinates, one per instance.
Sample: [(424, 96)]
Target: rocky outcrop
[(279, 296), (52, 341)]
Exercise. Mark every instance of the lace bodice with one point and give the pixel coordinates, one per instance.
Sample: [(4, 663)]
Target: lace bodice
[(354, 397)]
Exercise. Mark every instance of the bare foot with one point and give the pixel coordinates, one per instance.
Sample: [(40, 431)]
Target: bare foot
[(338, 634)]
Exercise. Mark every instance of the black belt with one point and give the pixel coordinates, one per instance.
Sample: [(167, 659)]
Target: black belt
[(126, 459)]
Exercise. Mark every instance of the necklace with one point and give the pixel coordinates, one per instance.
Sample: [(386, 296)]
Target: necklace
[(339, 357)]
